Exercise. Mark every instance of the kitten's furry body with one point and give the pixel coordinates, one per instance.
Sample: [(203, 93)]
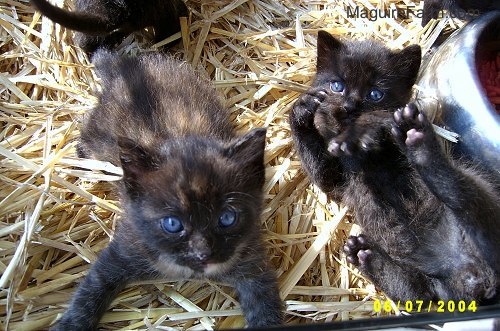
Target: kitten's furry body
[(430, 225), (103, 23), (187, 177)]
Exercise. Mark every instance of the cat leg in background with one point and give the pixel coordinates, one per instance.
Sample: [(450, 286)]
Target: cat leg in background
[(398, 281), (100, 23), (470, 200), (93, 21), (323, 169), (462, 190), (169, 23)]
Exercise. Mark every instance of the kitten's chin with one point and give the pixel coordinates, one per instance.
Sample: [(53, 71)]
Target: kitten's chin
[(213, 269), (169, 268), (220, 268)]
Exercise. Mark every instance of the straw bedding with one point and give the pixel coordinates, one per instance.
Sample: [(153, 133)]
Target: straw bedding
[(58, 211)]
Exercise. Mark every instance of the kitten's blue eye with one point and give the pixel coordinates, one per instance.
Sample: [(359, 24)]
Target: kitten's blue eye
[(375, 94), (227, 218), (337, 86), (171, 224)]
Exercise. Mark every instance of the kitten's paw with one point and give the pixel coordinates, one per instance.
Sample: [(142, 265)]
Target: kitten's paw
[(414, 133), (357, 250), (367, 141), (307, 104), (411, 125)]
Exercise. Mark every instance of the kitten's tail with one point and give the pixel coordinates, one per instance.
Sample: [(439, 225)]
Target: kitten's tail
[(78, 21)]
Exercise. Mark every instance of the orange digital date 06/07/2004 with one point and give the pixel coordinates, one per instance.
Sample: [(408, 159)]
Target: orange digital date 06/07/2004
[(418, 306)]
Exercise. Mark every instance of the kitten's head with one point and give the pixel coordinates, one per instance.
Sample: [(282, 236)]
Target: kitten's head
[(196, 202), (361, 76)]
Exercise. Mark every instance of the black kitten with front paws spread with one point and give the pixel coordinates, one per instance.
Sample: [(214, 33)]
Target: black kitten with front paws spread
[(191, 190), (430, 224)]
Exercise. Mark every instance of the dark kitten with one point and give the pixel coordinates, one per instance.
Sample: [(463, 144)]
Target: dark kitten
[(104, 23), (463, 9), (191, 189), (430, 225)]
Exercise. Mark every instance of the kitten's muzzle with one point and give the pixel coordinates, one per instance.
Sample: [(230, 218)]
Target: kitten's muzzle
[(350, 106), (200, 248), (203, 256)]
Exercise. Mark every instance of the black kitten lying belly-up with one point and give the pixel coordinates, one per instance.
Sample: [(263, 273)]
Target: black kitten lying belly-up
[(430, 225), (191, 189)]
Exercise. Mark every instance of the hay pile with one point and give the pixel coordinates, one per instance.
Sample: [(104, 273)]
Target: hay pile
[(57, 211)]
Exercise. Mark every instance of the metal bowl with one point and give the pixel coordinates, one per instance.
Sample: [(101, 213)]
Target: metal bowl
[(449, 88)]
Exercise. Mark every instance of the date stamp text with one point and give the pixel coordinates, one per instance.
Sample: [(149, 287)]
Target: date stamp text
[(419, 306)]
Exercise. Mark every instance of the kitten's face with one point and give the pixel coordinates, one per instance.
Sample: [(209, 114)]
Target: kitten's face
[(361, 76), (196, 203)]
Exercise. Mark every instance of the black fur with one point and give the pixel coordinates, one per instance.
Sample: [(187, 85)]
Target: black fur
[(102, 23), (463, 9), (430, 224), (181, 159)]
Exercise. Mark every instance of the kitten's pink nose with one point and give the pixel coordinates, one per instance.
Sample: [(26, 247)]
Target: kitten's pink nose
[(200, 247), (202, 252)]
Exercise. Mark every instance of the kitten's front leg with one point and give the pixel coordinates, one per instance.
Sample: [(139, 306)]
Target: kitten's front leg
[(323, 169), (399, 282), (471, 198), (107, 277), (259, 298), (454, 185), (302, 115)]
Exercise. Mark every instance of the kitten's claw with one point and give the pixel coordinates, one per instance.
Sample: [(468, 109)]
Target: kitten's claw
[(408, 115), (396, 132), (398, 116), (337, 148), (346, 148), (319, 94), (334, 148), (409, 111), (370, 141)]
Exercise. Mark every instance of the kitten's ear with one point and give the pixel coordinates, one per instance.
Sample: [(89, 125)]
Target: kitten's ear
[(408, 62), (328, 48), (249, 150), (135, 159)]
